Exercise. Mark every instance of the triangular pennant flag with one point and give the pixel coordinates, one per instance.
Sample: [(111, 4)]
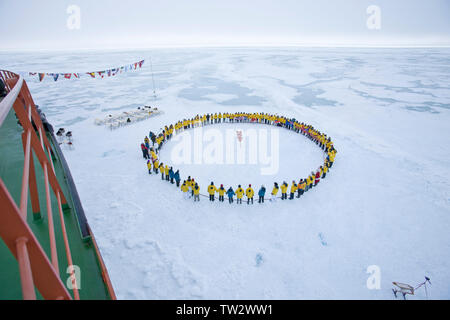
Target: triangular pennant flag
[(109, 73), (32, 73), (92, 74), (76, 75), (100, 73), (55, 76), (135, 65), (41, 76), (141, 63)]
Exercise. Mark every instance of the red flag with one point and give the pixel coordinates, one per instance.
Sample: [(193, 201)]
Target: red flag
[(67, 75), (140, 63), (100, 73), (76, 75)]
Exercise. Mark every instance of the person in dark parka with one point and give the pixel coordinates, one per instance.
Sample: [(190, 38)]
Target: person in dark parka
[(230, 194), (176, 176), (261, 193), (171, 175)]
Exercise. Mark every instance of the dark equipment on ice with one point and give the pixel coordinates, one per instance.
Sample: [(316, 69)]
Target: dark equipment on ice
[(60, 132), (405, 289)]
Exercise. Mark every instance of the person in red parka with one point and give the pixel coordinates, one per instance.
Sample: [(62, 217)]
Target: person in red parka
[(145, 151), (317, 180)]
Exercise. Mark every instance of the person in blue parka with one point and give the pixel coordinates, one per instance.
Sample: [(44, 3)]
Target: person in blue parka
[(261, 193), (230, 194), (176, 176), (171, 175)]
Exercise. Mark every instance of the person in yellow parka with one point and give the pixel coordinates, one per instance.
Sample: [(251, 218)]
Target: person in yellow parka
[(189, 184), (185, 188), (324, 170), (239, 194), (301, 188), (331, 156), (212, 190), (166, 172), (284, 187), (149, 166), (249, 193), (221, 192), (196, 190), (309, 182), (274, 192), (156, 166), (153, 154), (293, 189)]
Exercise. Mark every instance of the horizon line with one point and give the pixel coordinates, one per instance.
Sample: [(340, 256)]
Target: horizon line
[(381, 46)]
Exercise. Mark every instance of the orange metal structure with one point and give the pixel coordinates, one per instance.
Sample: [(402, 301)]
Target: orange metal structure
[(36, 270)]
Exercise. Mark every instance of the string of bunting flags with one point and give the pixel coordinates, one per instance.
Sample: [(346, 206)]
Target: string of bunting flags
[(95, 74)]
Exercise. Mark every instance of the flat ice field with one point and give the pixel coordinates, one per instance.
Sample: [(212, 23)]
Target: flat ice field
[(385, 202)]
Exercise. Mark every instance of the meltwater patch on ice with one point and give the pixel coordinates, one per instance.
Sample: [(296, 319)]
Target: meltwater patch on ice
[(112, 153), (259, 259), (322, 239)]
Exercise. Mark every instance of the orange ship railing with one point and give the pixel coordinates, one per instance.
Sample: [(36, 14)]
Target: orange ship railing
[(35, 268)]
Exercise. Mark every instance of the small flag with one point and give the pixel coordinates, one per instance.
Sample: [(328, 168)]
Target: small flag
[(67, 75), (92, 74), (76, 75), (41, 76)]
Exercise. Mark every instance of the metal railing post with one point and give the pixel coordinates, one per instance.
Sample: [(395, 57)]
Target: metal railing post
[(26, 276)]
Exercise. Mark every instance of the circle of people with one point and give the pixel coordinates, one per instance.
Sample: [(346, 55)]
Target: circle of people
[(190, 187)]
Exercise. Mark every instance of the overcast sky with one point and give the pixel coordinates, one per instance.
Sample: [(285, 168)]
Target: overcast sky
[(42, 24)]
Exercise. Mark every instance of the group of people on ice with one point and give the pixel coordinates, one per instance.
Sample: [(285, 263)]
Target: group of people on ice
[(153, 164), (190, 187)]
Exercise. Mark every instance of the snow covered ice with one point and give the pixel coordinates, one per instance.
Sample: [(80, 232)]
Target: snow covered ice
[(386, 201)]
